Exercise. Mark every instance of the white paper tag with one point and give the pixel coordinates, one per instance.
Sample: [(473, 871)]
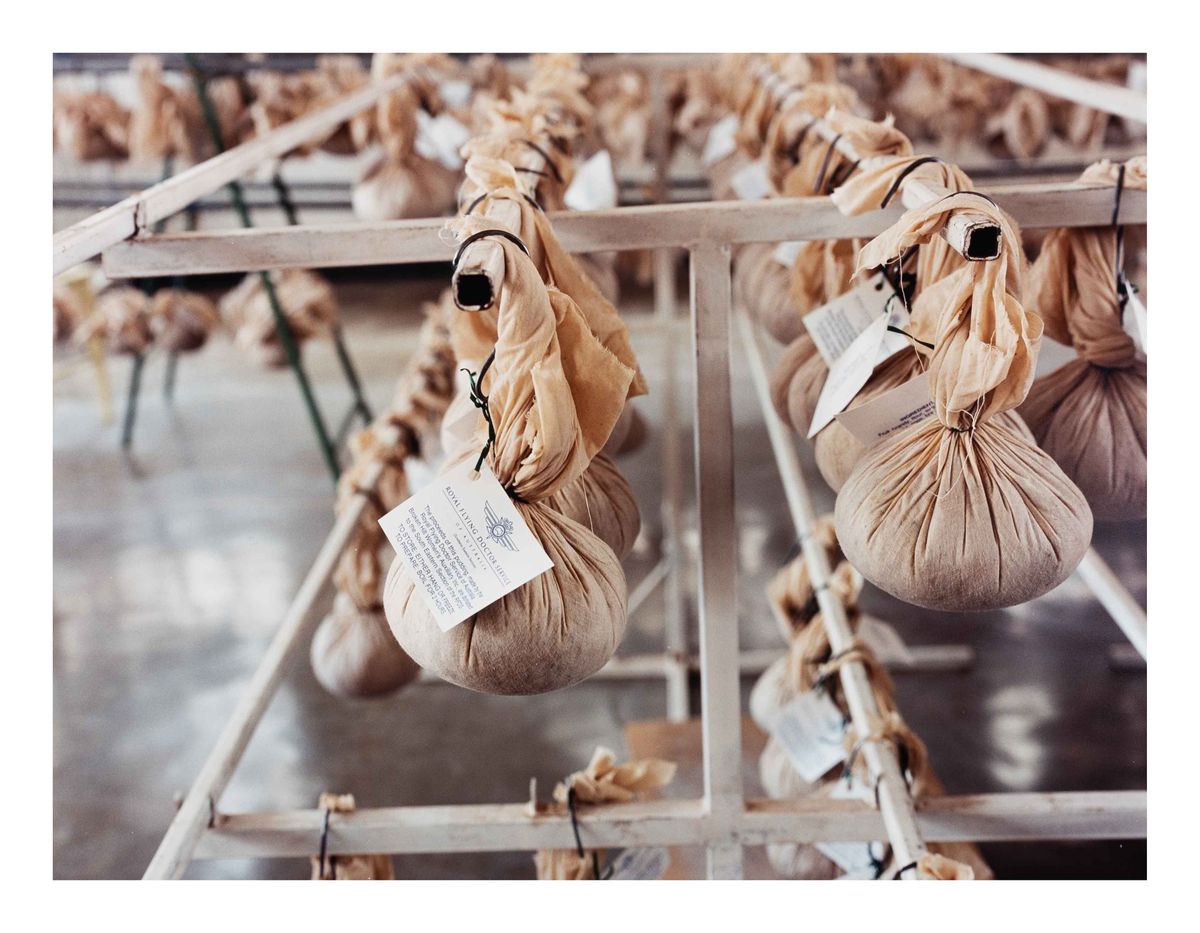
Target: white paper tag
[(857, 859), (455, 92), (786, 252), (439, 138), (894, 410), (811, 729), (463, 543), (721, 141), (836, 324), (594, 186), (648, 864), (751, 182), (418, 473), (1052, 355), (853, 368), (883, 639), (1133, 319)]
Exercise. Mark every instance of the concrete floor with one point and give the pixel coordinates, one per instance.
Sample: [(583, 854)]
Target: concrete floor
[(174, 565)]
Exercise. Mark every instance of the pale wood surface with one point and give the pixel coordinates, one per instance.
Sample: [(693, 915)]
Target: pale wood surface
[(622, 228), (1109, 98)]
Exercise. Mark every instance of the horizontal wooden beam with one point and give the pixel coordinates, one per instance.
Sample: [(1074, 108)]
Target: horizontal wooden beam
[(622, 228), (1109, 98), (94, 234), (510, 827)]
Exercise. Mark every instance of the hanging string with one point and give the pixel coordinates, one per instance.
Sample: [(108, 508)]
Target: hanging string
[(491, 232), (908, 170), (899, 330), (480, 401), (557, 175), (579, 849), (819, 187), (487, 194), (1122, 292), (324, 841)]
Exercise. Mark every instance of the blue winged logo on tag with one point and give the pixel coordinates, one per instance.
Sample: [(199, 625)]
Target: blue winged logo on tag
[(499, 529)]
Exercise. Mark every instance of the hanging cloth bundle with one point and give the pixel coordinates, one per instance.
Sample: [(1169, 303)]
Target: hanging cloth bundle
[(70, 310), (121, 319), (809, 665), (346, 867), (602, 781), (306, 298), (353, 652), (167, 121), (1090, 415), (836, 450), (553, 394), (1022, 129), (90, 126), (402, 182), (181, 320), (601, 498), (962, 511), (799, 376)]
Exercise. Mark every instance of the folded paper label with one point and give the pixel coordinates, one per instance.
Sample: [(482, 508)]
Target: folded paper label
[(850, 371), (440, 138), (1133, 318), (722, 140), (647, 864), (856, 859), (463, 543), (785, 254), (594, 186), (835, 325), (811, 729), (751, 182), (893, 411)]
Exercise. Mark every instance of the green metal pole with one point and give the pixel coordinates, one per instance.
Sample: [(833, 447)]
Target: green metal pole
[(343, 354), (286, 337), (148, 286), (135, 381)]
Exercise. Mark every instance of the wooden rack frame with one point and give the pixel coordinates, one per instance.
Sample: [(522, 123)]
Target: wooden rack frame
[(723, 820)]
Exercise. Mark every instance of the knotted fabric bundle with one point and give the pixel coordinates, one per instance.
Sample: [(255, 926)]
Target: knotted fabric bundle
[(554, 393), (1090, 415), (181, 321), (167, 120), (348, 867), (90, 126), (961, 512), (70, 310), (601, 499), (602, 781), (403, 183), (353, 652), (306, 299), (121, 320)]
